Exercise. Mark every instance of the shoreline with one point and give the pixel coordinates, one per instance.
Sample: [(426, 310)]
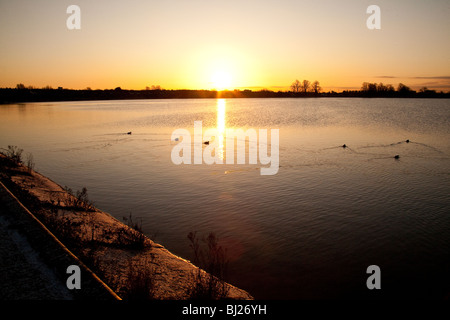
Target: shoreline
[(25, 95), (120, 255), (40, 259)]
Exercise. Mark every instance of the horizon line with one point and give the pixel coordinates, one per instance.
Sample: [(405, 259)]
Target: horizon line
[(248, 88)]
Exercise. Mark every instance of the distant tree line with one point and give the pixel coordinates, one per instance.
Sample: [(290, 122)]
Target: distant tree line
[(22, 93), (306, 87), (387, 90), (380, 89)]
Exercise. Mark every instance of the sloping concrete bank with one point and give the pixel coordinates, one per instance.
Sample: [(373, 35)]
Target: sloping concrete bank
[(125, 263), (34, 262)]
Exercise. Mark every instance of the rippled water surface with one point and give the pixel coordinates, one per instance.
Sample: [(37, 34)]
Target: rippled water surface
[(309, 231)]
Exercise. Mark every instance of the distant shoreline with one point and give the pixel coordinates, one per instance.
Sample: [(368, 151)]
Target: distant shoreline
[(14, 95)]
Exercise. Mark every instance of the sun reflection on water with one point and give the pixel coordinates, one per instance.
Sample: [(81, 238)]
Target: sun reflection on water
[(221, 111)]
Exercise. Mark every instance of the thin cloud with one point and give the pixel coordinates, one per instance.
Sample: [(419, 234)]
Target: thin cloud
[(419, 77), (438, 77), (386, 77)]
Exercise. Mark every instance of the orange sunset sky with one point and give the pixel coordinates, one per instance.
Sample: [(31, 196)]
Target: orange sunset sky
[(235, 44)]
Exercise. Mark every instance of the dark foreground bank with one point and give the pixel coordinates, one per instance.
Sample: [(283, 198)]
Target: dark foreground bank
[(48, 228)]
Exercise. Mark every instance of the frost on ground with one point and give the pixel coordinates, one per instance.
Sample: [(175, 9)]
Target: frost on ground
[(127, 261), (23, 274)]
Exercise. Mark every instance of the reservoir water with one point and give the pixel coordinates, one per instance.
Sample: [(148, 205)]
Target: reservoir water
[(310, 230)]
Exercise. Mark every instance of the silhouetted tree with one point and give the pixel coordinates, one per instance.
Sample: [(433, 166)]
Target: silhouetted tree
[(402, 88), (373, 87), (425, 92), (20, 86), (153, 87), (365, 86), (385, 90), (315, 87), (381, 87), (295, 86), (305, 86), (369, 87)]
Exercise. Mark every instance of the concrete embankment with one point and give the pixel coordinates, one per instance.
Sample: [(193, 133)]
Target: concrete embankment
[(34, 262), (44, 230)]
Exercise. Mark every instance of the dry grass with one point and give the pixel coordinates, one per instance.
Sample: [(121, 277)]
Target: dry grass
[(209, 285), (128, 261)]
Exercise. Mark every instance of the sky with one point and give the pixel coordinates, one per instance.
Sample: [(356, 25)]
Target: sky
[(211, 44)]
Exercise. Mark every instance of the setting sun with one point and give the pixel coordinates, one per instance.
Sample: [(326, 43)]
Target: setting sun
[(221, 80)]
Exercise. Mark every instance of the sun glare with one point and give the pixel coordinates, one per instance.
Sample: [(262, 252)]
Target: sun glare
[(221, 80)]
